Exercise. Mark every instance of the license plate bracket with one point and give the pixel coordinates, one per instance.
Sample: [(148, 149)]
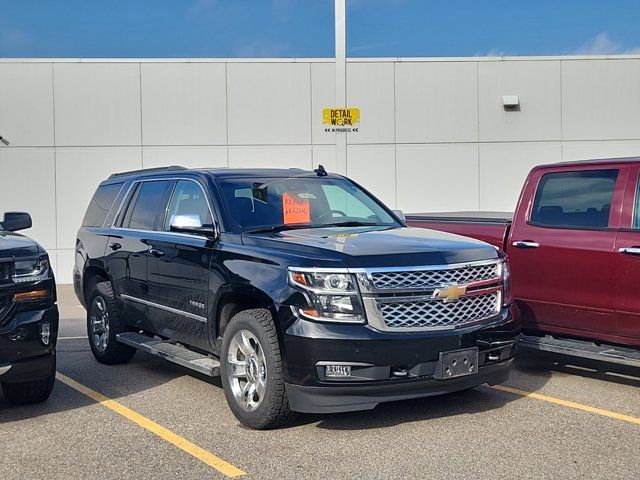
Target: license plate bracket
[(457, 363)]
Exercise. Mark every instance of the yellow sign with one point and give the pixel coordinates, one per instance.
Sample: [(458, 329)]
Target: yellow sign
[(341, 119)]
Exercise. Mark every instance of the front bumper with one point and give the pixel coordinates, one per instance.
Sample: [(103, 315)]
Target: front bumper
[(23, 355), (347, 398), (387, 366)]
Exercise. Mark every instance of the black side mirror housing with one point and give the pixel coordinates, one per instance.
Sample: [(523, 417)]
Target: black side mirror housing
[(14, 221)]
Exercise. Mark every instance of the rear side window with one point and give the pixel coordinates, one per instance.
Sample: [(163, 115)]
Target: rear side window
[(100, 205), (147, 205), (580, 199)]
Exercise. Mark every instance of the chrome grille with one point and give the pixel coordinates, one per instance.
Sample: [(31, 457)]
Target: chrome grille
[(437, 314), (431, 278)]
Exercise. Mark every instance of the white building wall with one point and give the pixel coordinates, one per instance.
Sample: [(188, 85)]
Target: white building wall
[(433, 135)]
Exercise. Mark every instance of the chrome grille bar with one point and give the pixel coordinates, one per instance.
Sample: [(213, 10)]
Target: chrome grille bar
[(405, 299)]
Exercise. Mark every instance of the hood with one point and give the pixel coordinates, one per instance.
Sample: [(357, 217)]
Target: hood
[(375, 246), (16, 245)]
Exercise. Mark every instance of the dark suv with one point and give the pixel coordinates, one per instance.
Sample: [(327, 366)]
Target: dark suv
[(299, 287), (28, 315)]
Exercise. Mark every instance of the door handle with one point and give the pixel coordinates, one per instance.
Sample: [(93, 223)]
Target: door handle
[(525, 244), (156, 253), (115, 246), (630, 250)]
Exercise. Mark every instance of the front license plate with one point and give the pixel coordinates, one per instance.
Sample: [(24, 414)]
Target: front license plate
[(457, 363)]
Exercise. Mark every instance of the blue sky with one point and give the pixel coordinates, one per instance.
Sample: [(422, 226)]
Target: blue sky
[(304, 28)]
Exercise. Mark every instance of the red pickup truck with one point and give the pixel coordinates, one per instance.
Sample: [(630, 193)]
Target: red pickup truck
[(574, 250)]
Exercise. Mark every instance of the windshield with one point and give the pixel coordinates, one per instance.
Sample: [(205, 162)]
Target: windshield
[(298, 202)]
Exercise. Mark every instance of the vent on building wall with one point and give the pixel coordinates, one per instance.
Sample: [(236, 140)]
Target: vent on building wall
[(511, 103)]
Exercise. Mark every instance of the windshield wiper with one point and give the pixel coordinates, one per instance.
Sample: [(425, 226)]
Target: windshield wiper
[(353, 223), (298, 226), (282, 228)]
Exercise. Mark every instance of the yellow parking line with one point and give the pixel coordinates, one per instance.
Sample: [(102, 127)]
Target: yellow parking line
[(164, 433), (567, 403)]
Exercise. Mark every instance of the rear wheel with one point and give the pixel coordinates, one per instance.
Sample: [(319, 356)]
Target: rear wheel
[(103, 324), (252, 374)]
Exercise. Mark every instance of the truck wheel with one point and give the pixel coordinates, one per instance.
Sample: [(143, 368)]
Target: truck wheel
[(103, 324), (23, 393), (251, 369)]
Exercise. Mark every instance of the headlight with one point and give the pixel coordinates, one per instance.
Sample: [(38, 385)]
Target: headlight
[(506, 282), (331, 296), (32, 270)]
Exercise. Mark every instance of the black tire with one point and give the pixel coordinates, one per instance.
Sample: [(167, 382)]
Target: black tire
[(24, 393), (273, 410), (113, 352)]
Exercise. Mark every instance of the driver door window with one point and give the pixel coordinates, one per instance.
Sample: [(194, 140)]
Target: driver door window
[(188, 199)]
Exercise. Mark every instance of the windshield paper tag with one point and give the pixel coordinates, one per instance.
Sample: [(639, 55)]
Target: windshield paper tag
[(295, 209)]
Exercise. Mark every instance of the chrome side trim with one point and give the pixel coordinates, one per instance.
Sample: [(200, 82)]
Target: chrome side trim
[(4, 369), (193, 316), (163, 233)]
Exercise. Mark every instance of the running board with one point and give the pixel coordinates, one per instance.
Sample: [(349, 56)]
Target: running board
[(583, 349), (180, 355)]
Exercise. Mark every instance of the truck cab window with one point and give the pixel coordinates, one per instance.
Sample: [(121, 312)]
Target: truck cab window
[(580, 199), (188, 199), (636, 208)]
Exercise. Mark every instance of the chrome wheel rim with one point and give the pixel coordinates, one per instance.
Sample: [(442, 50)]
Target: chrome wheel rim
[(247, 370), (99, 324)]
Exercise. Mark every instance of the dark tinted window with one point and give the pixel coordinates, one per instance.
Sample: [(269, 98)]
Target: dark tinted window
[(147, 205), (100, 204), (579, 199), (636, 210)]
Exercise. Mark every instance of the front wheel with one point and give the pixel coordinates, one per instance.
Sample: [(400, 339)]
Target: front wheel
[(252, 374), (103, 324), (24, 393)]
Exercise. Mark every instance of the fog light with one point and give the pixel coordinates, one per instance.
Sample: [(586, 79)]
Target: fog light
[(338, 371), (45, 333)]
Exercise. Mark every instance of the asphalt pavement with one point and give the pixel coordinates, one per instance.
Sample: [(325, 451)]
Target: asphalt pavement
[(559, 418)]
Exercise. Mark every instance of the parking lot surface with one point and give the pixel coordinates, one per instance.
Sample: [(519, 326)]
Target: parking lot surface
[(153, 419)]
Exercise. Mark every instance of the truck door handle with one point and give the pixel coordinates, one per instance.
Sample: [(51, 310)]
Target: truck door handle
[(630, 250), (156, 253), (115, 246), (525, 244)]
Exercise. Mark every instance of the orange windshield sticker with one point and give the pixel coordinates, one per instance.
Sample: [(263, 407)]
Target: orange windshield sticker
[(295, 209)]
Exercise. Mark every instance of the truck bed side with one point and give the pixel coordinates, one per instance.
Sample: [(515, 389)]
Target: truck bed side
[(490, 227)]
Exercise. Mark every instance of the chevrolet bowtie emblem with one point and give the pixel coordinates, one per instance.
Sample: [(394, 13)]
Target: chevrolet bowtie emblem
[(451, 293)]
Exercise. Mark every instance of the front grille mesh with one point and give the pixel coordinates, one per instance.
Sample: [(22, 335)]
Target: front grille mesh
[(434, 314), (434, 278)]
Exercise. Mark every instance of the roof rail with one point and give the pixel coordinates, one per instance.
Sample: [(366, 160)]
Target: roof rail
[(148, 170)]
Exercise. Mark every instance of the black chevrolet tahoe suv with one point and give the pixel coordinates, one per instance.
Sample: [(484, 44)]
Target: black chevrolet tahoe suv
[(28, 315), (300, 288)]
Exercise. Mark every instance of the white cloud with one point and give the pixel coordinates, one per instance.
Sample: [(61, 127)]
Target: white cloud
[(371, 46), (494, 52), (602, 44), (199, 7), (263, 49)]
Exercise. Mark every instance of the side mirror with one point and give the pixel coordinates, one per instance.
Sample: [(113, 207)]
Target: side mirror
[(14, 221), (191, 223), (400, 215)]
